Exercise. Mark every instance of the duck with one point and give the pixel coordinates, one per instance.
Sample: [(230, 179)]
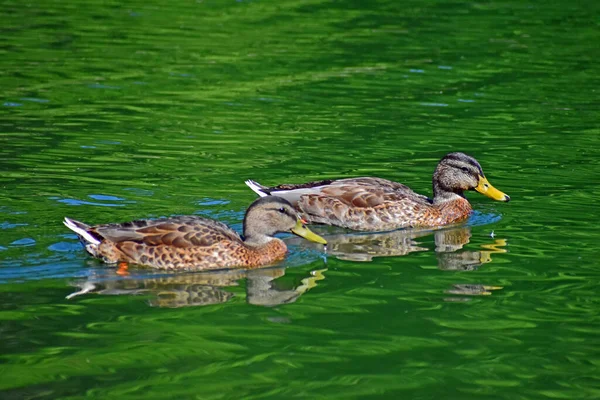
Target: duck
[(377, 204), (196, 243)]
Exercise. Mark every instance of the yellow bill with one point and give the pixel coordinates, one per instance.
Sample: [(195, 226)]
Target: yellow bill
[(307, 234), (488, 190)]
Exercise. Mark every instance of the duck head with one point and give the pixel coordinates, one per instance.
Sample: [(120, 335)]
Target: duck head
[(457, 172), (270, 215)]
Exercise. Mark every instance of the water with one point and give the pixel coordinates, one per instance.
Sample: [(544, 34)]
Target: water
[(110, 112)]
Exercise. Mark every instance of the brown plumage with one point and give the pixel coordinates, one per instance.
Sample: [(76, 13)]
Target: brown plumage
[(196, 243), (375, 204)]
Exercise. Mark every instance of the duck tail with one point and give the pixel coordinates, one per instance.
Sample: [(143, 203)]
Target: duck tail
[(257, 188), (82, 230)]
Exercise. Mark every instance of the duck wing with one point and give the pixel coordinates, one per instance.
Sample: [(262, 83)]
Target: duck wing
[(370, 191), (356, 192), (182, 232), (365, 203)]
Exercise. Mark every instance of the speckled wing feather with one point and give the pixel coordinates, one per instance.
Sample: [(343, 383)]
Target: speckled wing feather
[(181, 232), (187, 242), (367, 204)]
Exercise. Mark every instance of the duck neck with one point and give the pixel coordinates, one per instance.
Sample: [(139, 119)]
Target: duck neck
[(256, 240), (444, 196), (266, 249), (442, 193)]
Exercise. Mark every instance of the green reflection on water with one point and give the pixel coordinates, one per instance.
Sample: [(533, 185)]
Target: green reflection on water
[(111, 112)]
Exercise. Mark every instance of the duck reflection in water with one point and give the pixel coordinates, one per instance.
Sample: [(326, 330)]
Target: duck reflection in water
[(365, 246), (262, 288), (201, 288), (448, 248)]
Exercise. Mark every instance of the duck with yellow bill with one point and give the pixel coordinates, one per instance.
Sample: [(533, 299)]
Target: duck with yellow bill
[(376, 204), (196, 243)]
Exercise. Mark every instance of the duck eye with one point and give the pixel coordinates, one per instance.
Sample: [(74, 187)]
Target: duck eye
[(282, 210), (465, 169)]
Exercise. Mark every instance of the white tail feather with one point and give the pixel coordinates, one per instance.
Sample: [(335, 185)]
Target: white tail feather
[(86, 288), (256, 187), (69, 223)]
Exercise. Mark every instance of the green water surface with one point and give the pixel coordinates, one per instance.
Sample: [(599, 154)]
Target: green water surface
[(111, 111)]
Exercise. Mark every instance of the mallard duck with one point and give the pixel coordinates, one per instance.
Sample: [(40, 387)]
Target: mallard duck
[(375, 204), (196, 243)]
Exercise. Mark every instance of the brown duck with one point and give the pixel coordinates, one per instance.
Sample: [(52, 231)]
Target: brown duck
[(376, 204), (196, 243)]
